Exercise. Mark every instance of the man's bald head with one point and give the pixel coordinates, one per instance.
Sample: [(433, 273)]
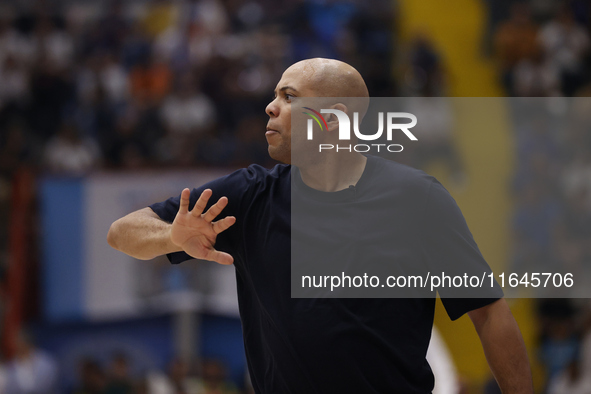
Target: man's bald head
[(330, 78), (333, 84), (320, 77)]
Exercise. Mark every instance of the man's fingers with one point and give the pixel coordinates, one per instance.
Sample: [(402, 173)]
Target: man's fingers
[(223, 224), (201, 202), (185, 195), (215, 209), (220, 257)]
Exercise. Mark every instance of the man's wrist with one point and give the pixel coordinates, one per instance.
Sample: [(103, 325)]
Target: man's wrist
[(172, 246)]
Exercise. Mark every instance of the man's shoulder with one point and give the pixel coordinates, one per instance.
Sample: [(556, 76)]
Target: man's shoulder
[(256, 177), (256, 172), (417, 186), (401, 174)]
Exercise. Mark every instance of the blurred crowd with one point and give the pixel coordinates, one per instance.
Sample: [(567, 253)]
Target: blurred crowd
[(545, 51), (115, 85), (34, 371), (180, 377), (166, 83), (552, 226)]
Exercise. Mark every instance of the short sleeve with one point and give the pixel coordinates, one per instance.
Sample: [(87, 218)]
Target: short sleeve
[(452, 252), (235, 187)]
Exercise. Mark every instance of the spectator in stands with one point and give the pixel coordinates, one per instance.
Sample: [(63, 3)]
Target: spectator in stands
[(177, 380), (14, 43), (119, 380), (515, 40), (188, 115), (69, 153), (113, 79), (127, 137), (31, 371), (136, 48), (213, 375), (187, 110), (559, 336), (151, 79), (426, 69), (114, 27), (566, 44), (573, 380), (51, 90), (535, 76), (92, 379), (14, 83), (54, 44)]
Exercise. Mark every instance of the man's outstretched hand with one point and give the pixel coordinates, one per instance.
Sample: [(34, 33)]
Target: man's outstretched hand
[(195, 232)]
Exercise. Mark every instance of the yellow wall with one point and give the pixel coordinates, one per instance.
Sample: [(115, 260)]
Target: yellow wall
[(455, 27)]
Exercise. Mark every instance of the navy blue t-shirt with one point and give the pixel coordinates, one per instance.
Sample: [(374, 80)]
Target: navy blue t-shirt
[(335, 345)]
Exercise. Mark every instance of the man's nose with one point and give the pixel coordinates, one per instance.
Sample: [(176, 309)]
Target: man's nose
[(272, 109)]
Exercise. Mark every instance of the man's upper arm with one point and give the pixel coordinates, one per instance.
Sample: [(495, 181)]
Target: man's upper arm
[(480, 315), (148, 212), (451, 250)]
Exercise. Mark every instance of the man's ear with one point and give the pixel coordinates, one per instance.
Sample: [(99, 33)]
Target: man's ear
[(332, 121)]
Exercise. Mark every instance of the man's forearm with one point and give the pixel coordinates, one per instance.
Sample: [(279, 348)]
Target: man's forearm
[(504, 348), (141, 234)]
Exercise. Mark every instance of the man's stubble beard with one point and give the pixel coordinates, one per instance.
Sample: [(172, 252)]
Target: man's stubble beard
[(280, 153)]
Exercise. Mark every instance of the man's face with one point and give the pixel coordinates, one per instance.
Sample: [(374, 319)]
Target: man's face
[(293, 84)]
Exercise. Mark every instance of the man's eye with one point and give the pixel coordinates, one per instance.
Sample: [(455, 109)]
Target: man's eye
[(288, 97)]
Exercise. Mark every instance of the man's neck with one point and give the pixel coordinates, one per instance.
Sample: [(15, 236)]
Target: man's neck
[(336, 173)]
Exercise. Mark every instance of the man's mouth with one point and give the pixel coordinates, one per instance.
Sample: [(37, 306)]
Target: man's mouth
[(271, 131)]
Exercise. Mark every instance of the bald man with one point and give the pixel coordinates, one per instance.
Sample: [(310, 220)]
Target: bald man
[(326, 345)]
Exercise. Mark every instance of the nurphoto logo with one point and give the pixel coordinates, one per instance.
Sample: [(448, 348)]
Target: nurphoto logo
[(345, 130)]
